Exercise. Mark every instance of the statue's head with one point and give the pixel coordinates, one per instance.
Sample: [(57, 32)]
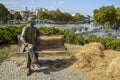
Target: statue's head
[(31, 21)]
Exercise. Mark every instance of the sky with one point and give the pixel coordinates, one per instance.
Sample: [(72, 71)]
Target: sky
[(84, 7)]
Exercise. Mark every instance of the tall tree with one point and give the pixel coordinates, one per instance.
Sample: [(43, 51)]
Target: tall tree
[(11, 16), (59, 15), (118, 16), (67, 16), (53, 15), (42, 15), (3, 13), (105, 16), (17, 17), (77, 17)]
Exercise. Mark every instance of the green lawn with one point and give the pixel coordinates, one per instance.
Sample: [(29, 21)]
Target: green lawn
[(7, 51)]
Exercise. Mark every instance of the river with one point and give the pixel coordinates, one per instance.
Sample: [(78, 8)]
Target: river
[(67, 26), (97, 30)]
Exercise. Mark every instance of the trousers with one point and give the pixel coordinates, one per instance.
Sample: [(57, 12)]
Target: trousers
[(32, 57)]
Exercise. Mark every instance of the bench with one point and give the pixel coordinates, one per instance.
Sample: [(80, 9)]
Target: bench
[(45, 44)]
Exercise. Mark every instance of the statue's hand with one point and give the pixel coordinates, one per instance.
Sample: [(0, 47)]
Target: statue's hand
[(26, 44), (30, 46), (49, 33)]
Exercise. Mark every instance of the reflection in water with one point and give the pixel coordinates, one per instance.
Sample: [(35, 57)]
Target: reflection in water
[(97, 30), (68, 26)]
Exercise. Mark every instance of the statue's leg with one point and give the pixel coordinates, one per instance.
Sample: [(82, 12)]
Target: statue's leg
[(28, 61), (33, 56), (27, 70)]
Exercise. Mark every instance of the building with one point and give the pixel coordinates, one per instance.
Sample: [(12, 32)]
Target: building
[(26, 14), (12, 11)]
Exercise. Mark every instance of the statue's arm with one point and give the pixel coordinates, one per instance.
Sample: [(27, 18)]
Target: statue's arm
[(23, 36)]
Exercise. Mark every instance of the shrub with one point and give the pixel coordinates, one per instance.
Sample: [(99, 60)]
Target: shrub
[(93, 38), (85, 28), (79, 39), (52, 30), (9, 34), (106, 41), (69, 36), (79, 28), (113, 44)]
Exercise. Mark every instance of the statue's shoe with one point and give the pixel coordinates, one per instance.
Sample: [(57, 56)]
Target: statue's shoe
[(35, 67)]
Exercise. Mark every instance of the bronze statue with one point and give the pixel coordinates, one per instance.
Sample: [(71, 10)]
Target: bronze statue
[(28, 38), (32, 41)]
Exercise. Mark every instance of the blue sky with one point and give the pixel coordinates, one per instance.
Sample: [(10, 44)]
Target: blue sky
[(85, 7)]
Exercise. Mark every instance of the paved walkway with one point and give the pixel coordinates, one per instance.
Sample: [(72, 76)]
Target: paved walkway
[(12, 69)]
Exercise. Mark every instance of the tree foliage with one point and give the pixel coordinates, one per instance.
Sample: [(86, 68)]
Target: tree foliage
[(11, 16), (3, 13), (57, 15), (118, 16), (77, 17), (53, 15), (17, 16), (67, 16), (42, 15), (107, 16)]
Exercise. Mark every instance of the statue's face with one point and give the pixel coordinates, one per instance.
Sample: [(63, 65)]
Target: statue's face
[(32, 22)]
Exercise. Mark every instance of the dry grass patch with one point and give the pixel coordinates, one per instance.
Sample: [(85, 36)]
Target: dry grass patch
[(88, 57), (92, 58), (113, 69)]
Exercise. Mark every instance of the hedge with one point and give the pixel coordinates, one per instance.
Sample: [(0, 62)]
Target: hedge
[(8, 35)]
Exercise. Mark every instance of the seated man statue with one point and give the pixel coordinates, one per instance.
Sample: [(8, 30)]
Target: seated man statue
[(28, 37)]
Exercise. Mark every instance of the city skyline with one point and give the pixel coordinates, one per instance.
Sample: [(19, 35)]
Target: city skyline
[(84, 7)]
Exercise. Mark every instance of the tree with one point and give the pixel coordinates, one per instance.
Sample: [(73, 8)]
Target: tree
[(77, 17), (42, 15), (54, 15), (118, 16), (59, 15), (3, 13), (11, 16), (17, 17), (67, 17), (82, 17), (105, 16)]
